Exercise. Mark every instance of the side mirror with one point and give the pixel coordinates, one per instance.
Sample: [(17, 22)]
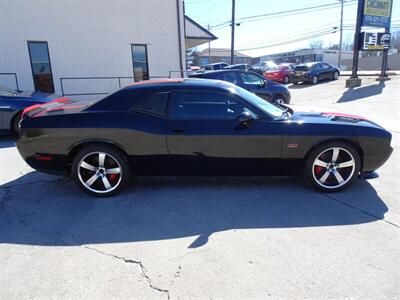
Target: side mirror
[(246, 117)]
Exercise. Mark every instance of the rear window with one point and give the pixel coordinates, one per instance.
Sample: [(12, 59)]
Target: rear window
[(301, 68), (153, 104)]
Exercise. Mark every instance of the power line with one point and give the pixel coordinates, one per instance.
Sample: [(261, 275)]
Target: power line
[(284, 13), (305, 38)]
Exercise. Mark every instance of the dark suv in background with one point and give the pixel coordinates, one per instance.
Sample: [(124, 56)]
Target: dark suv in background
[(313, 72), (268, 90)]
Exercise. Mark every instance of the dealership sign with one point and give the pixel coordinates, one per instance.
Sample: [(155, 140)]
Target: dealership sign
[(375, 41), (377, 13)]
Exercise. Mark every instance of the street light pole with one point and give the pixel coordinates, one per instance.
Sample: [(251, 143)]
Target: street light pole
[(233, 32), (341, 33), (354, 81), (209, 47)]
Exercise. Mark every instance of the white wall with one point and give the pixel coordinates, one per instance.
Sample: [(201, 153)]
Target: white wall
[(89, 38), (331, 57)]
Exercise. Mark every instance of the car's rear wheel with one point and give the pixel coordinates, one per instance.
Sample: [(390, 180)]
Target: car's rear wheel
[(101, 170), (332, 166), (15, 124), (286, 79), (314, 79)]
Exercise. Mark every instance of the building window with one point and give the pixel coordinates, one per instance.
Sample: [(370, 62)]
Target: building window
[(204, 61), (41, 67), (140, 62)]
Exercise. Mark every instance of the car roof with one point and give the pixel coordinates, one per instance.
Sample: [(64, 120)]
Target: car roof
[(225, 71), (180, 83), (218, 63)]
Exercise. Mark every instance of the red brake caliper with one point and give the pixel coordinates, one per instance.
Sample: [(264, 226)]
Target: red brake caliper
[(317, 169), (113, 177)]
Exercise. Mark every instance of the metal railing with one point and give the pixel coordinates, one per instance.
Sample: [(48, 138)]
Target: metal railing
[(97, 85), (114, 81), (14, 80)]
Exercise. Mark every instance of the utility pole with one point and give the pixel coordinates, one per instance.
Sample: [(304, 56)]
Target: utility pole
[(354, 81), (341, 33), (209, 47), (233, 32)]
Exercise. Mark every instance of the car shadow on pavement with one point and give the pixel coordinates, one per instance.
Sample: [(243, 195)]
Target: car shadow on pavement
[(7, 141), (38, 209), (352, 94)]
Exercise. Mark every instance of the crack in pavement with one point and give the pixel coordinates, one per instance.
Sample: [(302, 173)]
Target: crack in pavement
[(143, 270), (361, 210)]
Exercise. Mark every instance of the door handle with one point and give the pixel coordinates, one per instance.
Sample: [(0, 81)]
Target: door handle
[(179, 130)]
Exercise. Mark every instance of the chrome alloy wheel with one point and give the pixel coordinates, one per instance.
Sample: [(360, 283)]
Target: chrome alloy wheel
[(279, 101), (99, 172), (333, 168), (335, 75)]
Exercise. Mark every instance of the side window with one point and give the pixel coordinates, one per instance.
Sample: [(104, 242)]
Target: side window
[(249, 78), (153, 104), (193, 105), (325, 66), (230, 77)]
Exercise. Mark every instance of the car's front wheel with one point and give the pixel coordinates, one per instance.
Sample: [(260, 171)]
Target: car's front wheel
[(332, 166), (314, 79), (279, 100), (335, 75), (101, 170)]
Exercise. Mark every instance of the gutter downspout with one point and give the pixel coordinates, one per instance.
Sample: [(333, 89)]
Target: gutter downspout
[(178, 14)]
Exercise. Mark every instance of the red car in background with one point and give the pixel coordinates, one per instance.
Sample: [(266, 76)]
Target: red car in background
[(282, 73)]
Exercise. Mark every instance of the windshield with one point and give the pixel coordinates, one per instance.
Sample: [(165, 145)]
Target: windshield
[(6, 91), (260, 103)]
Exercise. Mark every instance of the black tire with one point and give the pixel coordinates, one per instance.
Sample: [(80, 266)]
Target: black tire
[(15, 124), (279, 99), (335, 76), (114, 159), (286, 79), (325, 179), (314, 79)]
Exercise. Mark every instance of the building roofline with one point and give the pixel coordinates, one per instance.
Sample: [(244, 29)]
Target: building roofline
[(213, 37)]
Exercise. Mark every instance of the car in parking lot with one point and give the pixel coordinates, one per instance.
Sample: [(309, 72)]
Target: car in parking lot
[(313, 72), (13, 102), (243, 67), (280, 73), (268, 90), (216, 66), (196, 127)]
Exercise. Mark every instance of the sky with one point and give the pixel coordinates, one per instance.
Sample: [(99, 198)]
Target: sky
[(272, 31)]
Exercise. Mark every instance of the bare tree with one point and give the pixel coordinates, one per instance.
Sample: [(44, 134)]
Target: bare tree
[(316, 44), (395, 40)]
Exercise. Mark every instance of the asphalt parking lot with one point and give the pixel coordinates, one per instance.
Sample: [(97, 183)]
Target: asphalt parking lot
[(209, 238)]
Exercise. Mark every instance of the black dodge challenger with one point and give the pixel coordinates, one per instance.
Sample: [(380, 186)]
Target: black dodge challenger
[(196, 127)]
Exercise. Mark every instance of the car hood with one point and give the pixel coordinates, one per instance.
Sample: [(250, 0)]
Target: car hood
[(331, 118)]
